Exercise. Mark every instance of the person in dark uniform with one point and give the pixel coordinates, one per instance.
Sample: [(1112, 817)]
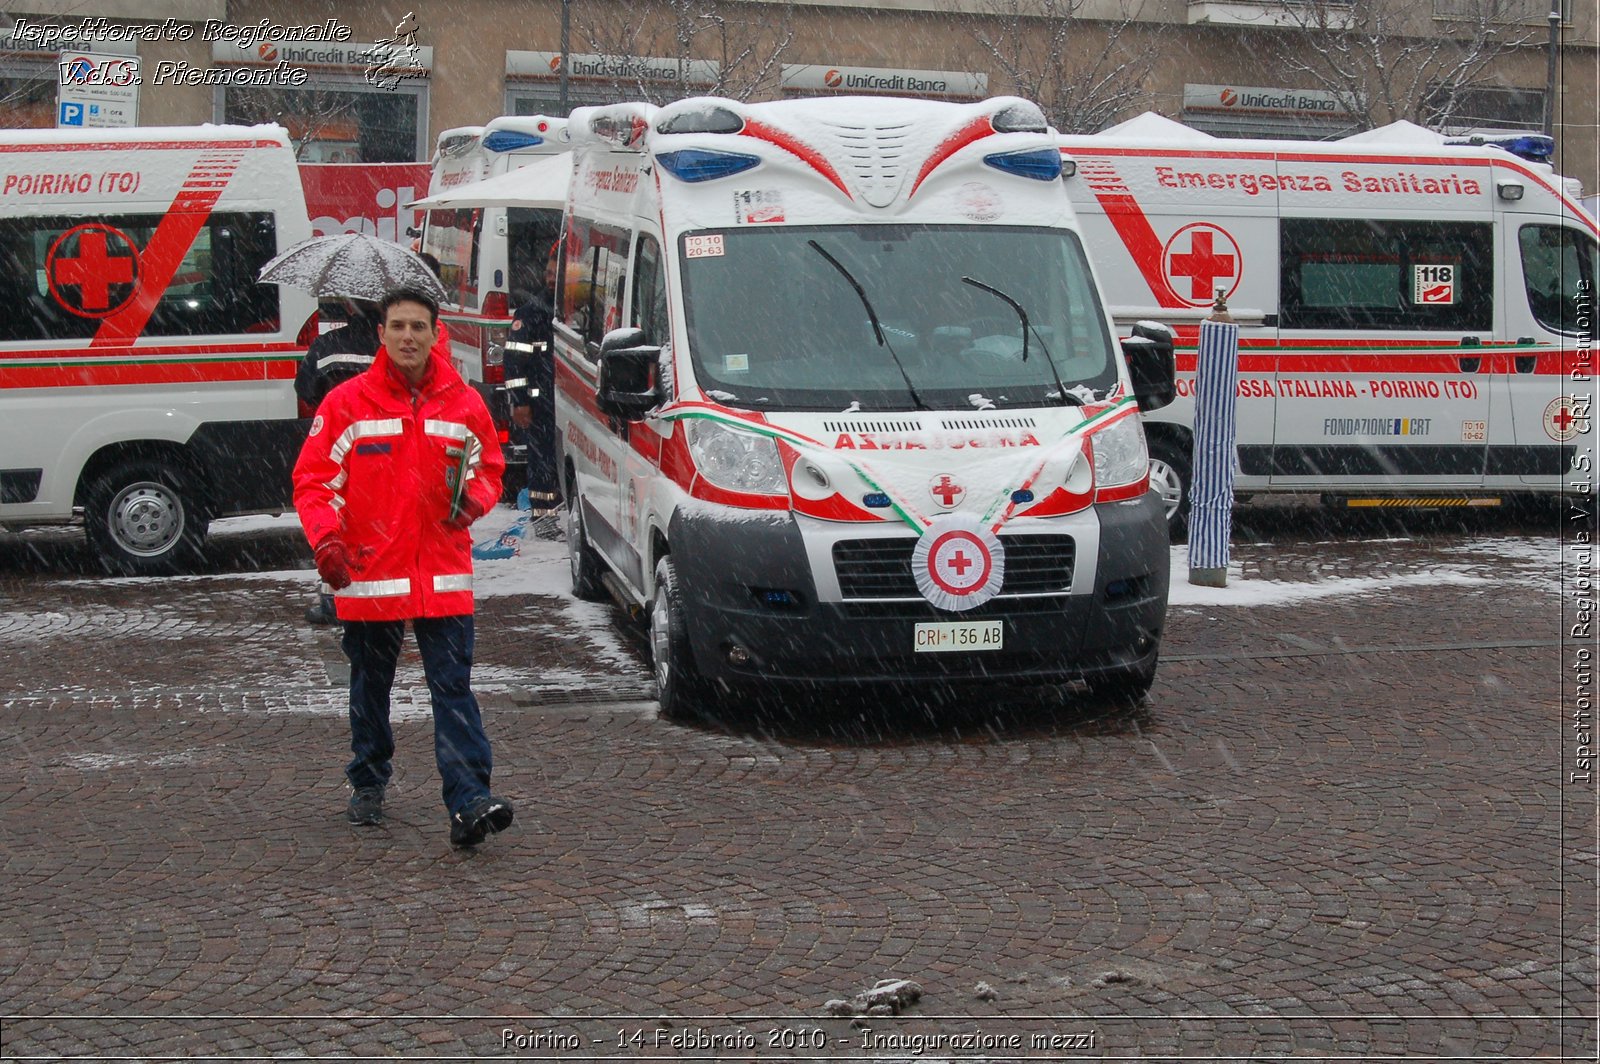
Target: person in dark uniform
[(531, 388), (334, 357)]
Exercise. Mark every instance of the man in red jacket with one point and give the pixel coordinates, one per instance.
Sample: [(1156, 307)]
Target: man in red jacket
[(399, 462)]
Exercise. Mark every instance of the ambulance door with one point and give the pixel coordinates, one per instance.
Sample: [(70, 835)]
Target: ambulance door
[(593, 282), (1549, 300), (647, 311), (1384, 380)]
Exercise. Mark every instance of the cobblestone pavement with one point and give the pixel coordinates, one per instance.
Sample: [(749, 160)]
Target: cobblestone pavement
[(1338, 829)]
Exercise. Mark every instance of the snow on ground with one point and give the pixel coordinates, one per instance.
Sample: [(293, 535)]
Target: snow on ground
[(1242, 592), (541, 569)]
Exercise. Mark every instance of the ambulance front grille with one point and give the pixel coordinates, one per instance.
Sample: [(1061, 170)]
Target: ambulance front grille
[(970, 424), (881, 568), (871, 426)]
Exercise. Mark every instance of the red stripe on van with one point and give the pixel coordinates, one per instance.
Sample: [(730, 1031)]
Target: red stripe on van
[(191, 351), (972, 132), (1549, 362), (67, 375), (124, 146), (810, 156)]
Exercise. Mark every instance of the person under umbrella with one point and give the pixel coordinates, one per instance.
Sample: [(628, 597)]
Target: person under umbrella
[(338, 355)]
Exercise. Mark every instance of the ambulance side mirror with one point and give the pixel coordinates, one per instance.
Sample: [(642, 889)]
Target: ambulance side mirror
[(1151, 365), (629, 369)]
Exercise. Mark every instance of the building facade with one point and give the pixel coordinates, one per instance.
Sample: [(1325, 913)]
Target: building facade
[(369, 83)]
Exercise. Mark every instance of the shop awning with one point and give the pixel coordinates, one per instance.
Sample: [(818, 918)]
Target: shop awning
[(542, 183)]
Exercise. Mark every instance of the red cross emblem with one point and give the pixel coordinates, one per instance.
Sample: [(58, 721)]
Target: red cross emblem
[(959, 562), (1205, 255), (945, 491), (1565, 418), (97, 263)]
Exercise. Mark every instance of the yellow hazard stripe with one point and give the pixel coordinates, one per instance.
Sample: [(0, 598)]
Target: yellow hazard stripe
[(1432, 502)]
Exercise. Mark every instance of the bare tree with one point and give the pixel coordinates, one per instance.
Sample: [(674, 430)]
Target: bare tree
[(310, 115), (1386, 60), (1085, 72), (745, 42)]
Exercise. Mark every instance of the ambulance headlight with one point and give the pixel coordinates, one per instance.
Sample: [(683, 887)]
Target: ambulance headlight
[(735, 460), (1120, 455)]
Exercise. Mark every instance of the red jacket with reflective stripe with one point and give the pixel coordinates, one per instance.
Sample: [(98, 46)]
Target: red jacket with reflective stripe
[(378, 470)]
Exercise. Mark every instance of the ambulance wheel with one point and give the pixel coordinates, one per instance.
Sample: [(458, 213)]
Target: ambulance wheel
[(585, 563), (1171, 477), (144, 518), (680, 689)]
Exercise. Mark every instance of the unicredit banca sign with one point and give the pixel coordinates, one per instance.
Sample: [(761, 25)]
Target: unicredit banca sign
[(1241, 99), (816, 77)]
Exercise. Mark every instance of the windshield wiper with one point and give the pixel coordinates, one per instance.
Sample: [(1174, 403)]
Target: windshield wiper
[(877, 327), (1027, 327)]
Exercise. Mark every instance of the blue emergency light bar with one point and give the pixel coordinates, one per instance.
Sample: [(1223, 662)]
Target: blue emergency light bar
[(698, 164), (509, 140), (1534, 147), (1041, 164)]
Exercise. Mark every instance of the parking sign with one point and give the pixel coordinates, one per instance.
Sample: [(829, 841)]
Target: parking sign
[(97, 90)]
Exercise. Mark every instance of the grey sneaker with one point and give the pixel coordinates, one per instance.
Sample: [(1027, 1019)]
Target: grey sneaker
[(481, 817), (366, 806)]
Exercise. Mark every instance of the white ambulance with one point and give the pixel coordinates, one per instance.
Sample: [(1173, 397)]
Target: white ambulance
[(1412, 311), (146, 377), (840, 401), (491, 258)]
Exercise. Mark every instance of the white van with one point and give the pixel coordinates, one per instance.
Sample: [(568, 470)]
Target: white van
[(840, 400), (146, 377), (491, 258), (1411, 310)]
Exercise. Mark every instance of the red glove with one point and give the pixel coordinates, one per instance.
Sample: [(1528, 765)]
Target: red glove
[(470, 512), (334, 563)]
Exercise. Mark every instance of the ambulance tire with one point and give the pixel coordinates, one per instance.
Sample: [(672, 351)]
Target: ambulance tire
[(585, 563), (144, 518), (683, 693), (1172, 477)]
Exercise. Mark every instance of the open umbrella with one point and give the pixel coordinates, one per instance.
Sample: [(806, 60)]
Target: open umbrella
[(354, 265)]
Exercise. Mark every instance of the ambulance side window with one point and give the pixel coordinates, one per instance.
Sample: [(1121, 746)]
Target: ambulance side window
[(63, 278), (594, 274), (1345, 273), (1558, 270), (650, 292)]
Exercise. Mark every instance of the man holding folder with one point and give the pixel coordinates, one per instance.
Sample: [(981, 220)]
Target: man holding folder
[(398, 464)]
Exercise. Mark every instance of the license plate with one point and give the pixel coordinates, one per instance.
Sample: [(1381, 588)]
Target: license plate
[(940, 636)]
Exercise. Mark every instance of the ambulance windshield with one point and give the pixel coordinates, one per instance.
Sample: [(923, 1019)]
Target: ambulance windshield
[(774, 325)]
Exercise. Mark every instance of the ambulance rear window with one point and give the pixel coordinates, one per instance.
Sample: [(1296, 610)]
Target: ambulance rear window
[(452, 237), (1353, 273), (62, 278)]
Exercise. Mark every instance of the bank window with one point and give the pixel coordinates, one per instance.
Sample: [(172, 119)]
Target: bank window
[(1558, 270), (650, 292), (452, 237), (593, 279), (62, 277), (1366, 274), (335, 122)]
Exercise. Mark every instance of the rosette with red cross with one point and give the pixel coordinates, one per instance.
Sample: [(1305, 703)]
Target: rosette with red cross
[(958, 563)]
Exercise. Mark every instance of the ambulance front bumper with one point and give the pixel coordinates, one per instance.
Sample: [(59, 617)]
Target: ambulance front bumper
[(768, 601)]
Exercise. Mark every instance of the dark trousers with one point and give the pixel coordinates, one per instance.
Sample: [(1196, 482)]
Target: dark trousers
[(460, 745)]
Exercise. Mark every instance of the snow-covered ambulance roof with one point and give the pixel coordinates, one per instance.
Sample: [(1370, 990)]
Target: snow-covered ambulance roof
[(147, 135), (874, 149)]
